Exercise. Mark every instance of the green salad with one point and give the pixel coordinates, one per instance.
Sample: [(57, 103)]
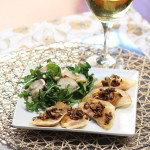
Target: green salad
[(49, 84)]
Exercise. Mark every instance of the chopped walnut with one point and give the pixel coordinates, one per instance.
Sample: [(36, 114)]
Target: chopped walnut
[(108, 117), (107, 94), (86, 105), (114, 76), (69, 109), (105, 83), (113, 80), (75, 114), (97, 109), (107, 79), (51, 112), (111, 96)]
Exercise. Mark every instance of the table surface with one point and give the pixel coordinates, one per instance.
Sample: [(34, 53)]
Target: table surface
[(73, 27)]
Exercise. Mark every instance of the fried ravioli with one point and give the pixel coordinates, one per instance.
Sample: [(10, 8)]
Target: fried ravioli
[(115, 82), (100, 111), (51, 117), (115, 96), (74, 119)]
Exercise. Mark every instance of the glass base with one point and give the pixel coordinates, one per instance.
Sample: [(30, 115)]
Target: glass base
[(106, 61)]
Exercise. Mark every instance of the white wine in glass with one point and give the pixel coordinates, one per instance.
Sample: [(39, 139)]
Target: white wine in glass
[(108, 11)]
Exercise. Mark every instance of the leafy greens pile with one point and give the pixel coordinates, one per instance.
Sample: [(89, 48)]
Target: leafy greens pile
[(52, 92)]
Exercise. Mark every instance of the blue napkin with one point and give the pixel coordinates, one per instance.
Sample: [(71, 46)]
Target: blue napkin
[(116, 39)]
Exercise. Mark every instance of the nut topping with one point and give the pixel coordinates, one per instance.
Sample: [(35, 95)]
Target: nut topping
[(114, 76), (97, 108), (108, 118), (69, 109), (105, 83), (107, 79), (113, 80), (115, 83), (86, 105), (107, 94), (51, 112), (75, 114)]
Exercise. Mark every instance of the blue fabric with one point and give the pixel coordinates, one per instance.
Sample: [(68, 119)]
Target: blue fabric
[(116, 39)]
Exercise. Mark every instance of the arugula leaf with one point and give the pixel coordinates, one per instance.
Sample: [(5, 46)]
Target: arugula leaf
[(49, 60), (32, 106), (53, 70), (82, 89), (80, 68), (24, 95), (39, 74), (32, 72), (27, 84)]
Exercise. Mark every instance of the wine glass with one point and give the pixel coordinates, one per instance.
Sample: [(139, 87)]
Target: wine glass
[(108, 11)]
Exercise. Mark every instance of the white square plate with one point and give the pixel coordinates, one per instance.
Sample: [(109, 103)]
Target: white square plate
[(125, 119)]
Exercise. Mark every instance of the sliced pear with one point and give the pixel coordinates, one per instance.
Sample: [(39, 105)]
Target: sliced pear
[(81, 77), (36, 86), (66, 73), (64, 82)]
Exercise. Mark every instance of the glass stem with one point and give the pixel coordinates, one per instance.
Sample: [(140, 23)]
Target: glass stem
[(107, 27)]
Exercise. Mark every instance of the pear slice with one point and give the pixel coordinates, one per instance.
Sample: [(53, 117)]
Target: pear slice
[(100, 111), (64, 82), (52, 116), (66, 73), (36, 86)]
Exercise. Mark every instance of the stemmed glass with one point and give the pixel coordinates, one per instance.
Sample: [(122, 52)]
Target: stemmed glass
[(108, 11)]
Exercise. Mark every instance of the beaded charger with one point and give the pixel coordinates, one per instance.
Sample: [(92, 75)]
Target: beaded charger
[(12, 69)]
